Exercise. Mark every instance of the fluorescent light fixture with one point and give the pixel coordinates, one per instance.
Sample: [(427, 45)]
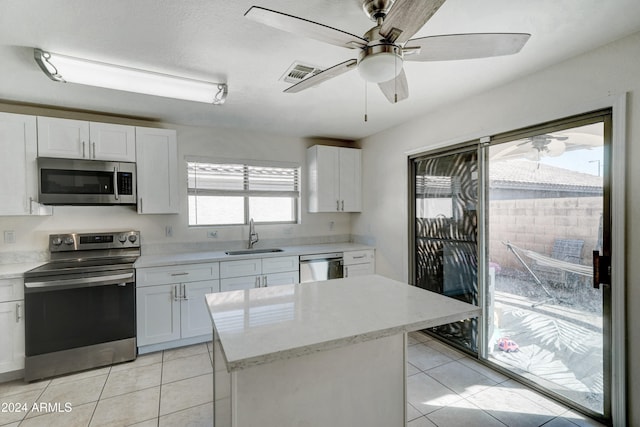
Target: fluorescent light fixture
[(62, 68)]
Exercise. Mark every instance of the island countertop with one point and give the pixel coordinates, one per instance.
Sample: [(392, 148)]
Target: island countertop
[(262, 325)]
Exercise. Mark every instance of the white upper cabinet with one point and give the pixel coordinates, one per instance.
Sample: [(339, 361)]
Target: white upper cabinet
[(77, 139), (335, 179), (157, 171), (18, 172)]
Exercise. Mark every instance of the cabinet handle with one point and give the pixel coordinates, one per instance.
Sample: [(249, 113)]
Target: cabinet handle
[(94, 150), (83, 150), (343, 205), (359, 257), (30, 205), (337, 205), (265, 281), (179, 274), (346, 271), (257, 281), (18, 317), (141, 210), (176, 297), (184, 292)]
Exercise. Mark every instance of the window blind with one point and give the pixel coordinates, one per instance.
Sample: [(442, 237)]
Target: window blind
[(232, 179)]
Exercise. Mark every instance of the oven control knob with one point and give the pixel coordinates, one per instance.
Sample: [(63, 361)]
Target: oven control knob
[(122, 238), (68, 240), (56, 241), (133, 238)]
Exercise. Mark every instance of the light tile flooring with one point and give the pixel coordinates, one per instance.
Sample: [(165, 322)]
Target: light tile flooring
[(173, 388)]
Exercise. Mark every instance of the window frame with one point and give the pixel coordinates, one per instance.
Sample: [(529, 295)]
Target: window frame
[(246, 164)]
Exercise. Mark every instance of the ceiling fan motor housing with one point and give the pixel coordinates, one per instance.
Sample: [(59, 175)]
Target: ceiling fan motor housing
[(381, 60)]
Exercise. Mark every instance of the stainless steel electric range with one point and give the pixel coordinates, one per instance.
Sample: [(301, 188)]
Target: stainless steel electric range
[(80, 307)]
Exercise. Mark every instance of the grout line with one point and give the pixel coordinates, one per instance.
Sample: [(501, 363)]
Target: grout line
[(93, 413), (160, 392)]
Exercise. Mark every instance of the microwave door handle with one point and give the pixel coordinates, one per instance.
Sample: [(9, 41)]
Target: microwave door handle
[(115, 182)]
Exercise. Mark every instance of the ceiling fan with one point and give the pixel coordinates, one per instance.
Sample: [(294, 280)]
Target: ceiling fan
[(385, 47)]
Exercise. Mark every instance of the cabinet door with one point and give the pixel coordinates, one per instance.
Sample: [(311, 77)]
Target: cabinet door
[(157, 171), (324, 187), (112, 142), (195, 319), (358, 269), (18, 185), (276, 279), (63, 138), (11, 336), (158, 314), (239, 283), (350, 180)]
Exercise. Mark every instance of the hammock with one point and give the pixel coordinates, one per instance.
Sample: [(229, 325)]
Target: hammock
[(584, 270)]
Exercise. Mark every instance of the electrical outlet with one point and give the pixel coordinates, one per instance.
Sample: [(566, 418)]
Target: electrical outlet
[(9, 236), (168, 231), (212, 234)]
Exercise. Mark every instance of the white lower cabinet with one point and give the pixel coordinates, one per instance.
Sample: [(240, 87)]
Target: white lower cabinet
[(258, 273), (11, 325), (359, 263), (171, 304)]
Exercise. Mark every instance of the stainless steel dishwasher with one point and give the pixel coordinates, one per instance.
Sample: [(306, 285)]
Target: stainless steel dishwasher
[(321, 267)]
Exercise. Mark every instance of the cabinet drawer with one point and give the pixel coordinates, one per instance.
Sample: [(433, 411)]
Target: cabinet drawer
[(280, 264), (11, 289), (358, 257), (239, 283), (239, 268), (176, 274)]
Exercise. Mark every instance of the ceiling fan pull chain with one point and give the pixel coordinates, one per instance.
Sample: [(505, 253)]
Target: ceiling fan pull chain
[(365, 102), (395, 79)]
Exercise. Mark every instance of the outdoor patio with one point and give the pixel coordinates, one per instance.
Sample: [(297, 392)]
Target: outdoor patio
[(558, 339)]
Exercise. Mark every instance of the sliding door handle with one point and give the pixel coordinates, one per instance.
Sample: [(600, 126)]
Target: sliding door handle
[(601, 270)]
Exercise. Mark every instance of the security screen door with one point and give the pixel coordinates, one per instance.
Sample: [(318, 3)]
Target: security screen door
[(513, 225)]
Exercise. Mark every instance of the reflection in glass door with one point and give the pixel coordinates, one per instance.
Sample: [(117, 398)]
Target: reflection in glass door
[(546, 215), (445, 261)]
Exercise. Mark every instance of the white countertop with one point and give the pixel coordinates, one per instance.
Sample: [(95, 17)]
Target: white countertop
[(261, 325), (200, 257), (10, 271)]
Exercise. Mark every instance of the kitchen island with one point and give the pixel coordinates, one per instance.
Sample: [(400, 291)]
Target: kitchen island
[(329, 353)]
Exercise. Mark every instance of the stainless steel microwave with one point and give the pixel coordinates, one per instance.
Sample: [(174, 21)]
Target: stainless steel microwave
[(86, 182)]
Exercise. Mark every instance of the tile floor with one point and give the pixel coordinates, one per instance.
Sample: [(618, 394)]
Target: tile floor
[(173, 388)]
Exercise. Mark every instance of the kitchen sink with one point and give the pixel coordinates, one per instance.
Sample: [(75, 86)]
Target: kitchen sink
[(253, 251)]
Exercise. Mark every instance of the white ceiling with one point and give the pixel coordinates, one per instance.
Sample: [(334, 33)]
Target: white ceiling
[(211, 40)]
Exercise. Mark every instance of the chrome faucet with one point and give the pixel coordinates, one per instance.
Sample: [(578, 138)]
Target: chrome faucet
[(253, 236)]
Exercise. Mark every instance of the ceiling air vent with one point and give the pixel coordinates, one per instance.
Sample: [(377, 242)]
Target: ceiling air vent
[(298, 72)]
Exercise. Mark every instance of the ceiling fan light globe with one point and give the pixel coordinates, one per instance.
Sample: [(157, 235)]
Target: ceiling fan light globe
[(380, 67)]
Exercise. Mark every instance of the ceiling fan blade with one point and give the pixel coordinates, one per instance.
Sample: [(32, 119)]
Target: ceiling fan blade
[(314, 30), (406, 17), (397, 86), (322, 76), (464, 46)]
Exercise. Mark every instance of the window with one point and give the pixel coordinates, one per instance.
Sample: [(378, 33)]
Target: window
[(232, 193)]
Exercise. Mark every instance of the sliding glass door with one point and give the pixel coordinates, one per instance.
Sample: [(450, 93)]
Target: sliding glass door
[(547, 212), (514, 224), (446, 246)]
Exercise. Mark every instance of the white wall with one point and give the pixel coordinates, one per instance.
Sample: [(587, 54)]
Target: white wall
[(555, 92), (32, 232)]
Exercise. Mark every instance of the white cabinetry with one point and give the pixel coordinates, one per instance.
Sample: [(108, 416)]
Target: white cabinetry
[(77, 139), (157, 171), (359, 263), (171, 304), (335, 179), (11, 325), (18, 171), (256, 273)]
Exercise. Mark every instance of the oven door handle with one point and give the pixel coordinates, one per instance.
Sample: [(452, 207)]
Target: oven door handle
[(85, 282)]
